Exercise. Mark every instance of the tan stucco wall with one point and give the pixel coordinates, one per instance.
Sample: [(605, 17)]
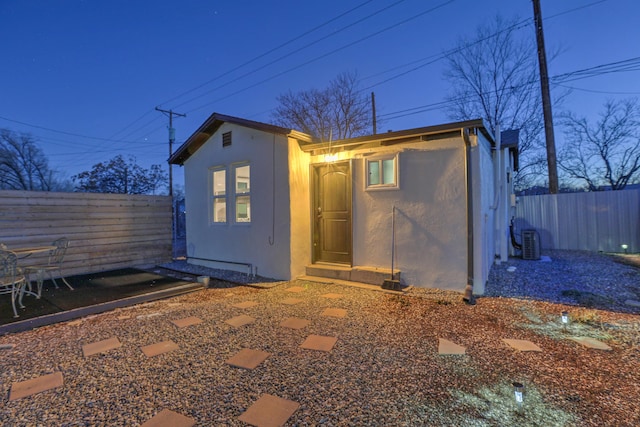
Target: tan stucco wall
[(431, 244), (300, 209), (265, 242)]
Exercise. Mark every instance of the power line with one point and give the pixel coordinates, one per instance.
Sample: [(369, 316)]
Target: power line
[(437, 57), (288, 54), (588, 72), (272, 50), (317, 58), (64, 132), (239, 67), (278, 75), (597, 91)]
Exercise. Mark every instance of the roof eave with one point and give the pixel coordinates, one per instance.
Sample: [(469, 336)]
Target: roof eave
[(390, 138)]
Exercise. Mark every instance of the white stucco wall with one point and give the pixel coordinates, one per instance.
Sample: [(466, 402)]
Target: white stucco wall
[(431, 222), (265, 242), (486, 200)]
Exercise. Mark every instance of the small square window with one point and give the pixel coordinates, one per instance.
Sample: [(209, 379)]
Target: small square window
[(382, 173)]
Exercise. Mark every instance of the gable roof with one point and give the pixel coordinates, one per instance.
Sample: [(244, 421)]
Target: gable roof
[(308, 144), (213, 123)]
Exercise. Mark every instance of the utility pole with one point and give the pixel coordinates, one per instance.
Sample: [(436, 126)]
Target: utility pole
[(546, 101), (172, 138)]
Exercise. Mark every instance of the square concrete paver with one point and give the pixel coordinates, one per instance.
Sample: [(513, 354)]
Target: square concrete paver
[(248, 358), (238, 321), (332, 295), (245, 304), (187, 321), (36, 385), (166, 418), (269, 411), (100, 346), (291, 301), (319, 342), (334, 312), (295, 289), (294, 323), (522, 345), (159, 348), (591, 343), (449, 347)]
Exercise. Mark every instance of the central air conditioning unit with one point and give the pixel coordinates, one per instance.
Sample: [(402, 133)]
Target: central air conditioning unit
[(530, 244)]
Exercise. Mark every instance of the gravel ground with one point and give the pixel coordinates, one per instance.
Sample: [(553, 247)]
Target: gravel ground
[(587, 279), (384, 370)]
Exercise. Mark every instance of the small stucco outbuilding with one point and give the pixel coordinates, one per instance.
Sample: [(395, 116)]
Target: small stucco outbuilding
[(267, 200)]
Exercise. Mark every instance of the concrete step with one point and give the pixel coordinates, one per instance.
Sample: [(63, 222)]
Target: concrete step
[(360, 274)]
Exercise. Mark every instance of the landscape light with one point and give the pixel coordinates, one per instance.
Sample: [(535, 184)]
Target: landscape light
[(517, 390), (565, 318), (624, 247)]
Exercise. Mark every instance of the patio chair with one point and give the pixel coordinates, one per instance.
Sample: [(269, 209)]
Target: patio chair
[(12, 281), (56, 256)]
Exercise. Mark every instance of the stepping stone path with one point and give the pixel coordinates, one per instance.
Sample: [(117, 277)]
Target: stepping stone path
[(334, 312), (159, 348), (521, 345), (246, 304), (248, 358), (591, 343), (449, 347), (187, 321), (332, 296), (319, 342), (36, 385), (239, 321), (100, 346), (168, 418), (269, 411), (294, 323)]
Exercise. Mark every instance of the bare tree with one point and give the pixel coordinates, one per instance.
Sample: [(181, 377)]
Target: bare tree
[(121, 177), (336, 112), (493, 76), (23, 165), (607, 154)]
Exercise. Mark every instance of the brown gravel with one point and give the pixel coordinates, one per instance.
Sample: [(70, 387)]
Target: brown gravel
[(383, 371)]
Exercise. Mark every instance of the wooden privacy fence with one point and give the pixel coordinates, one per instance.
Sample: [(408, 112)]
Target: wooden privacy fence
[(106, 231), (594, 221)]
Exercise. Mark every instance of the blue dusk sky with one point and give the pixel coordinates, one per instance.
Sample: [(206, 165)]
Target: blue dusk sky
[(84, 76)]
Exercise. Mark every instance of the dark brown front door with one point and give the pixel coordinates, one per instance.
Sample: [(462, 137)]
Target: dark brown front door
[(332, 212)]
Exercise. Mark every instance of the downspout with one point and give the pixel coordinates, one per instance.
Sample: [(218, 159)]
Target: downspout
[(468, 291)]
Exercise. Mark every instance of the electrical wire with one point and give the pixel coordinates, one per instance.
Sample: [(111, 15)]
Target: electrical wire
[(430, 106)]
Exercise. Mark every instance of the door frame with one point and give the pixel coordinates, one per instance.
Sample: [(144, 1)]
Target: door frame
[(314, 223)]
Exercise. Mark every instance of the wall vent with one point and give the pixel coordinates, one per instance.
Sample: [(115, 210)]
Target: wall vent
[(530, 244), (226, 139)]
